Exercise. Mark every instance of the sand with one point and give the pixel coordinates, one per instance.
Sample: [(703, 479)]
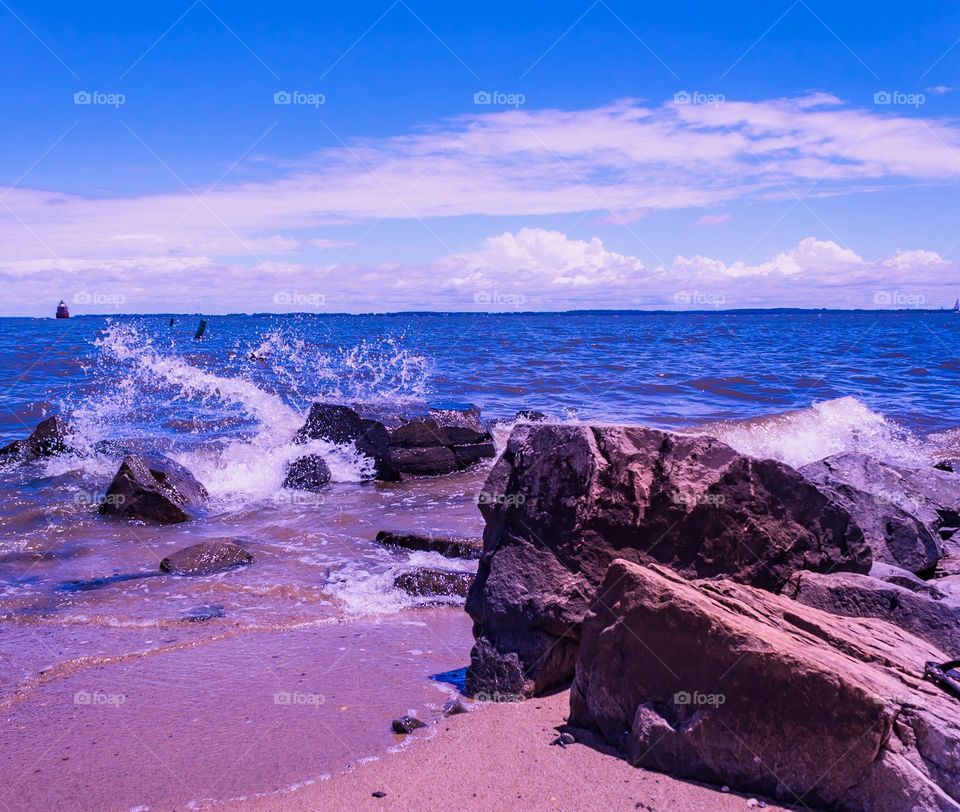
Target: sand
[(499, 757)]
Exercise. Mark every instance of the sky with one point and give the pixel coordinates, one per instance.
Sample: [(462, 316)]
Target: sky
[(204, 156)]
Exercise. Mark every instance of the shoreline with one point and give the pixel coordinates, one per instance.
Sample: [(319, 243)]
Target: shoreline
[(500, 756)]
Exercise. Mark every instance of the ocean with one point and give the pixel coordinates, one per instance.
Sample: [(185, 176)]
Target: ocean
[(258, 680)]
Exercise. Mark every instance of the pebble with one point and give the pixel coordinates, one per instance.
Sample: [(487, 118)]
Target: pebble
[(563, 739), (379, 794), (407, 724)]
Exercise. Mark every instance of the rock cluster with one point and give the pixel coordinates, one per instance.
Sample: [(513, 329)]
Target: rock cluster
[(730, 619), (49, 438)]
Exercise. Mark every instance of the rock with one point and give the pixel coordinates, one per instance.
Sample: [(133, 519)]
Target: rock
[(724, 683), (443, 440), (454, 707), (430, 583), (424, 461), (884, 502), (206, 558), (952, 465), (342, 425), (309, 473), (49, 438), (530, 415), (934, 617), (200, 614), (564, 739), (447, 547), (406, 724), (157, 490), (564, 501), (379, 794), (900, 577)]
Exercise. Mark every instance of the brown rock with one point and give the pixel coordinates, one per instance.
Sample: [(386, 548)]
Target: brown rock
[(564, 501), (934, 617), (447, 547), (206, 558), (425, 582), (49, 438), (424, 460), (309, 473), (343, 425), (157, 490), (719, 682)]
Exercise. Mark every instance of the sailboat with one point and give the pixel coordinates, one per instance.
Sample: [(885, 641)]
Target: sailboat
[(956, 306)]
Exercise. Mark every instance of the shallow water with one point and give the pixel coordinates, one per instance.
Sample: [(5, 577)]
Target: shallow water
[(84, 613)]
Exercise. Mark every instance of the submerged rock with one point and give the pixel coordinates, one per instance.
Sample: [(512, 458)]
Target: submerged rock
[(724, 683), (309, 473), (206, 558), (156, 490), (431, 583), (899, 510), (564, 501), (447, 547), (342, 425), (49, 438)]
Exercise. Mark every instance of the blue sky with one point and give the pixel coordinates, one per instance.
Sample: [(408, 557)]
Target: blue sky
[(386, 186)]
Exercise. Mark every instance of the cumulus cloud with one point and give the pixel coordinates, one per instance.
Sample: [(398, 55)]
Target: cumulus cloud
[(530, 269)]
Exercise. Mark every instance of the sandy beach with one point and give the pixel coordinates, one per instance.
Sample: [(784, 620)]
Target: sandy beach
[(500, 756)]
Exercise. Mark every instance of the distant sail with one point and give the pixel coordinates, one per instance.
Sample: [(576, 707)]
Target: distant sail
[(956, 306), (62, 312)]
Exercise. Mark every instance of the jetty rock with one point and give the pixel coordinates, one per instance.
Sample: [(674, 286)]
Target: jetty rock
[(49, 438), (902, 511), (341, 425), (564, 501), (728, 684), (428, 441), (154, 490), (309, 473)]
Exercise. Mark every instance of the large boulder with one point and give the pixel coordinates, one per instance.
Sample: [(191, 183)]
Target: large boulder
[(155, 490), (49, 438), (564, 501), (343, 425), (926, 612), (447, 547), (719, 682), (900, 510), (206, 558)]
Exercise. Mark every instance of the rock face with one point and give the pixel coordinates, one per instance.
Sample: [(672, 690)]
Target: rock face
[(447, 547), (564, 501), (206, 558), (309, 473), (341, 424), (426, 582), (927, 613), (153, 490), (50, 437), (900, 510), (720, 682)]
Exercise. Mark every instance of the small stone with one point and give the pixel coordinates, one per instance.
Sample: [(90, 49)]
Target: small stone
[(753, 803), (454, 708), (379, 794), (563, 740), (724, 788), (406, 725)]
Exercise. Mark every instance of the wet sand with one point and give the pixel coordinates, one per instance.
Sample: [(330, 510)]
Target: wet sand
[(499, 757)]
